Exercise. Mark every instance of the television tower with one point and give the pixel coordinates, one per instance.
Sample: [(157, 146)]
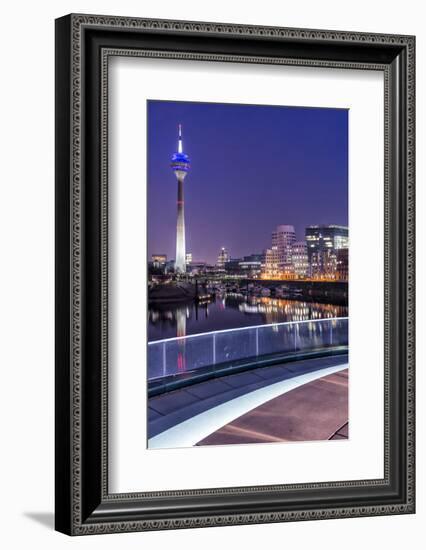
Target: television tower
[(180, 166)]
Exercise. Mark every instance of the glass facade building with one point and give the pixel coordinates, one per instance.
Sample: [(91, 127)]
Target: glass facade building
[(299, 259), (323, 243), (223, 258)]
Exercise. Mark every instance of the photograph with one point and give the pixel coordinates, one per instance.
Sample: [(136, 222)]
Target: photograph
[(248, 274)]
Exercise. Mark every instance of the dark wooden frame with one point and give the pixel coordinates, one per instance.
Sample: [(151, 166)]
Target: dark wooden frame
[(83, 45)]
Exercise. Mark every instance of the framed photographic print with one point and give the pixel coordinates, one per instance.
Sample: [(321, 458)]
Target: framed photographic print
[(234, 274)]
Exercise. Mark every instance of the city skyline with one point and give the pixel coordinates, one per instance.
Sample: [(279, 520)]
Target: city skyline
[(247, 253), (253, 168)]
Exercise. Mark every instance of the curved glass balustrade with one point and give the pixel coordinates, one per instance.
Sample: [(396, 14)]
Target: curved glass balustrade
[(188, 353)]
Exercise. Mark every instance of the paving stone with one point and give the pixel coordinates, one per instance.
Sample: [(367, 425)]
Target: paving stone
[(242, 379), (276, 371), (170, 402), (152, 414), (208, 389)]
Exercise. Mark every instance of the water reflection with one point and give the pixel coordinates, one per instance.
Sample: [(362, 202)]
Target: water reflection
[(180, 315), (230, 311)]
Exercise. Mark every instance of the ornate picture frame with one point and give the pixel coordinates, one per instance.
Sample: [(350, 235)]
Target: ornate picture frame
[(84, 45)]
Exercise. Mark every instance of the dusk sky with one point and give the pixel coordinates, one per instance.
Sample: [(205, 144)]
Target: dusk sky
[(252, 168)]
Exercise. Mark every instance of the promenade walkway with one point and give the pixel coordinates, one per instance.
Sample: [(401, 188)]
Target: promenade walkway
[(303, 400), (317, 410)]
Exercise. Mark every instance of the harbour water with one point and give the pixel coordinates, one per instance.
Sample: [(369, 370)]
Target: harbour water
[(230, 311)]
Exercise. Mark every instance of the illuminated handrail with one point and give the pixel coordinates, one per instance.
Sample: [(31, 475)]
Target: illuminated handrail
[(177, 355), (244, 328)]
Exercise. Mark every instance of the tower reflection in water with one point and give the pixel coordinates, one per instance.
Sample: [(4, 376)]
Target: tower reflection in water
[(228, 312), (180, 315)]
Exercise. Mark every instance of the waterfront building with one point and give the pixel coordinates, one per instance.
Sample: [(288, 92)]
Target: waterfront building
[(208, 268), (342, 264), (271, 264), (196, 267), (253, 258), (232, 266), (323, 243), (283, 239), (251, 266), (180, 166), (299, 260), (222, 258), (159, 261)]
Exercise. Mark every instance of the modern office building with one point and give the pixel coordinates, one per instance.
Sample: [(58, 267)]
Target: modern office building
[(271, 264), (159, 260), (251, 265), (232, 266), (342, 264), (323, 243), (196, 267), (283, 239), (222, 258), (180, 166), (299, 260)]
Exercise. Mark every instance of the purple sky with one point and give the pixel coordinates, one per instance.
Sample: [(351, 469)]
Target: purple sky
[(252, 168)]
